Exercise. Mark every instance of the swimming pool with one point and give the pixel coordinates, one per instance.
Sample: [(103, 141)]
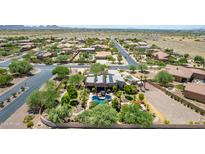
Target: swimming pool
[(99, 100)]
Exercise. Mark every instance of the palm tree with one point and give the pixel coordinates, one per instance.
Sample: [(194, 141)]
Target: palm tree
[(141, 79), (119, 95), (145, 80)]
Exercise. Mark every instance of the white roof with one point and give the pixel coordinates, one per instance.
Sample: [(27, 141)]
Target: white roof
[(87, 49), (142, 43), (99, 79), (90, 79), (116, 75), (113, 76)]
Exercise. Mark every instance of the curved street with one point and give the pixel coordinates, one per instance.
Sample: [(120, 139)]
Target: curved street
[(36, 81)]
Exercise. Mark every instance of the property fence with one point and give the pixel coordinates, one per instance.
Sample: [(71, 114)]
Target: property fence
[(179, 99), (117, 126)]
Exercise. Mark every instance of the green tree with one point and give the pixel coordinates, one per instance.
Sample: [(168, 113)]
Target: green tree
[(111, 58), (142, 67), (20, 67), (62, 58), (130, 89), (141, 97), (170, 51), (116, 105), (72, 92), (65, 99), (5, 79), (61, 71), (84, 97), (183, 60), (76, 79), (119, 58), (35, 101), (133, 68), (41, 100), (97, 68), (132, 114), (119, 95), (114, 89), (57, 115), (3, 71), (154, 46), (48, 61), (163, 78), (54, 48), (199, 59), (100, 115), (186, 55)]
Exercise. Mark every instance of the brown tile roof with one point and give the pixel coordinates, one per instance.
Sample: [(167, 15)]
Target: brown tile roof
[(195, 88), (161, 55), (179, 71), (183, 71)]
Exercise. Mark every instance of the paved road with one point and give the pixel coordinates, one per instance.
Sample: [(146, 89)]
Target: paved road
[(33, 83), (36, 81), (171, 109), (125, 54)]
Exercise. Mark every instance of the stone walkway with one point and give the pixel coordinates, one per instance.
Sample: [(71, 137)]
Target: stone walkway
[(173, 111)]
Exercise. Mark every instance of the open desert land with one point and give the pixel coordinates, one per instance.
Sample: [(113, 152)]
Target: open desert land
[(192, 46)]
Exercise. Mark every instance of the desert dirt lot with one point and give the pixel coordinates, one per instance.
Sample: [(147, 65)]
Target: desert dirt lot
[(182, 46)]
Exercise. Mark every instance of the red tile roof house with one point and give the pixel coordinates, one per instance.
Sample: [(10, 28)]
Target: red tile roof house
[(184, 74), (195, 92), (160, 55)]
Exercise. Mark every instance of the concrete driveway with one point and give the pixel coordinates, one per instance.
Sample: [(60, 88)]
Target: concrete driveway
[(173, 111)]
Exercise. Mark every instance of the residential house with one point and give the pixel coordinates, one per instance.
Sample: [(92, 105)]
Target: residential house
[(107, 80), (42, 55), (185, 74), (160, 55), (87, 49), (195, 92), (102, 54)]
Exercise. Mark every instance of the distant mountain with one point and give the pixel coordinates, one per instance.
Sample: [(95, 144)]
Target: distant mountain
[(22, 27), (178, 28)]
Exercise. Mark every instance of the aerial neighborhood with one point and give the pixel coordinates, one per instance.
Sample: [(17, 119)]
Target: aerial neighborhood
[(115, 81)]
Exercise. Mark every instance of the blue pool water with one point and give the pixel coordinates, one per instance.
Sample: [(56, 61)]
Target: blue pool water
[(100, 100)]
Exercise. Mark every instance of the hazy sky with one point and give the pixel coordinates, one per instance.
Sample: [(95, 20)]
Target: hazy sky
[(140, 26), (105, 12)]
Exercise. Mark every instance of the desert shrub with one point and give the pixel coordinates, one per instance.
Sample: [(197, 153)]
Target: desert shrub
[(116, 104), (132, 114), (20, 67), (141, 97), (93, 104), (5, 79), (130, 98), (61, 71), (57, 115), (180, 87), (163, 78), (72, 92), (28, 118), (30, 124), (167, 122), (1, 104), (130, 89), (101, 115)]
